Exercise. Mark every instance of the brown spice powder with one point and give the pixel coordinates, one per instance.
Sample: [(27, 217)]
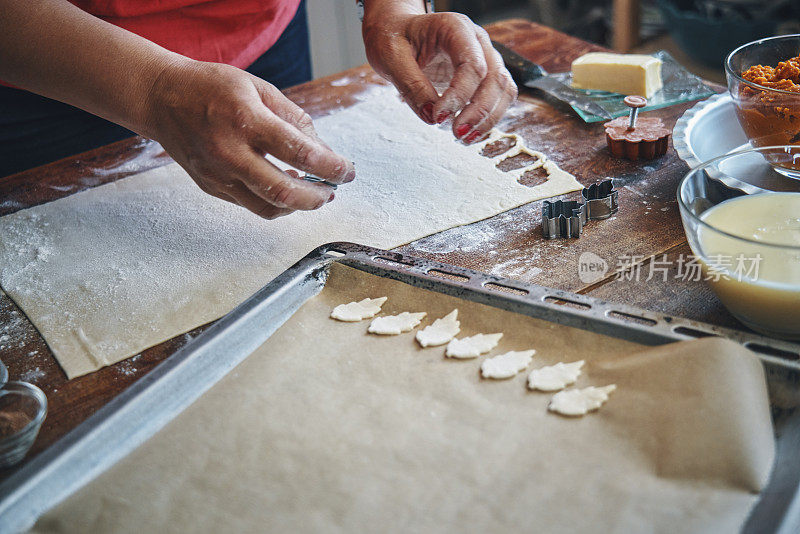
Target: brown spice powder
[(12, 422)]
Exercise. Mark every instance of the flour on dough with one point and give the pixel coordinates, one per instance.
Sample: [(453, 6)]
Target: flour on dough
[(577, 402), (472, 346), (441, 331), (358, 311), (392, 325), (506, 365), (555, 377)]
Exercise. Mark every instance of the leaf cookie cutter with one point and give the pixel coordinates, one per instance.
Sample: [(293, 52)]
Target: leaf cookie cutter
[(566, 218), (601, 200), (563, 218)]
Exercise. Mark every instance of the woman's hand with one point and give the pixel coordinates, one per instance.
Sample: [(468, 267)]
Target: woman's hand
[(420, 53), (218, 122)]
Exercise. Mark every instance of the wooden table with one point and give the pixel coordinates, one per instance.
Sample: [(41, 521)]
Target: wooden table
[(510, 244)]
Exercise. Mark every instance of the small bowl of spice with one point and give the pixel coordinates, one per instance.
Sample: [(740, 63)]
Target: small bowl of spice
[(764, 82), (23, 408)]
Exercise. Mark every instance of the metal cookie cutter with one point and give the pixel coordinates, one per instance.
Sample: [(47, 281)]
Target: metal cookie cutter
[(563, 218), (601, 200)]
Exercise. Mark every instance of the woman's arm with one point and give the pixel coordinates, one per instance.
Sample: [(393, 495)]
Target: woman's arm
[(215, 120), (54, 49), (415, 50)]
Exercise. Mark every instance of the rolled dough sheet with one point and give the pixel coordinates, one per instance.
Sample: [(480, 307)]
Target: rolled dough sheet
[(375, 434), (108, 272)]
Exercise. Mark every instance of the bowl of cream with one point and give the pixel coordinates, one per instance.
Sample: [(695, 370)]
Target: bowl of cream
[(747, 246)]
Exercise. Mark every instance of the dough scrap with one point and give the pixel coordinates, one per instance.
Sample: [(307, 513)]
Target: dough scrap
[(506, 365), (358, 311), (441, 331), (577, 402), (555, 377), (472, 346), (391, 325)]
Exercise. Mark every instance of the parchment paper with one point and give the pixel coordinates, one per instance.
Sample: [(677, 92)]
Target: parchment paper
[(108, 272), (328, 429)]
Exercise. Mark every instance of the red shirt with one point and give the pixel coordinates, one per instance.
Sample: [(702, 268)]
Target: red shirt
[(235, 32)]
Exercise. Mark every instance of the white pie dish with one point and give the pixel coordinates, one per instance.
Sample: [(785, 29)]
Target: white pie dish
[(707, 130)]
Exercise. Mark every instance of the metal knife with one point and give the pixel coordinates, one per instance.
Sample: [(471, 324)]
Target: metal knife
[(317, 180), (528, 74)]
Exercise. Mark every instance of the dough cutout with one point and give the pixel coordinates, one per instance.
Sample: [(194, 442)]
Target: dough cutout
[(555, 377), (533, 177), (358, 311), (441, 331), (506, 365), (519, 147), (494, 148), (578, 402), (472, 346), (392, 325)]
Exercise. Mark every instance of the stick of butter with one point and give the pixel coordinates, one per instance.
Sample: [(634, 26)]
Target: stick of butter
[(629, 74)]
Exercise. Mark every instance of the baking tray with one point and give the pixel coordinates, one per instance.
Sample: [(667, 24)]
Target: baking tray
[(148, 405)]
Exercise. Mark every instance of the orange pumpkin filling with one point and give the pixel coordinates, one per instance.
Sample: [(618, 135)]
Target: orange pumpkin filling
[(786, 76), (769, 117)]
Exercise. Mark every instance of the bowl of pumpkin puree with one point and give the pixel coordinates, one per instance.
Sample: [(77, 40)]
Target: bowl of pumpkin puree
[(764, 83)]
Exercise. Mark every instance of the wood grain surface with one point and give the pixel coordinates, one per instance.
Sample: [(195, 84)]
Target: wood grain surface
[(510, 244)]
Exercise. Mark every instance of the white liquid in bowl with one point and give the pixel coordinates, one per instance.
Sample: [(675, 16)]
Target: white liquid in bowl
[(761, 281)]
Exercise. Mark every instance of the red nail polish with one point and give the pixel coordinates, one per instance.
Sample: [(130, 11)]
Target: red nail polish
[(427, 112), (442, 117), (331, 197), (473, 136), (462, 130)]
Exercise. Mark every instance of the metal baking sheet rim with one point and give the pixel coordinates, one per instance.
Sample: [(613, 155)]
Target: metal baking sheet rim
[(136, 414)]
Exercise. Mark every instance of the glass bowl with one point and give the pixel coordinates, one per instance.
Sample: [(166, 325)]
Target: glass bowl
[(769, 117), (23, 407), (747, 246)]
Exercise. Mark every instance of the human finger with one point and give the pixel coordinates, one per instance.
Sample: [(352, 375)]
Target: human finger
[(241, 195), (489, 103), (271, 184), (272, 135), (287, 110), (414, 87), (459, 41)]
